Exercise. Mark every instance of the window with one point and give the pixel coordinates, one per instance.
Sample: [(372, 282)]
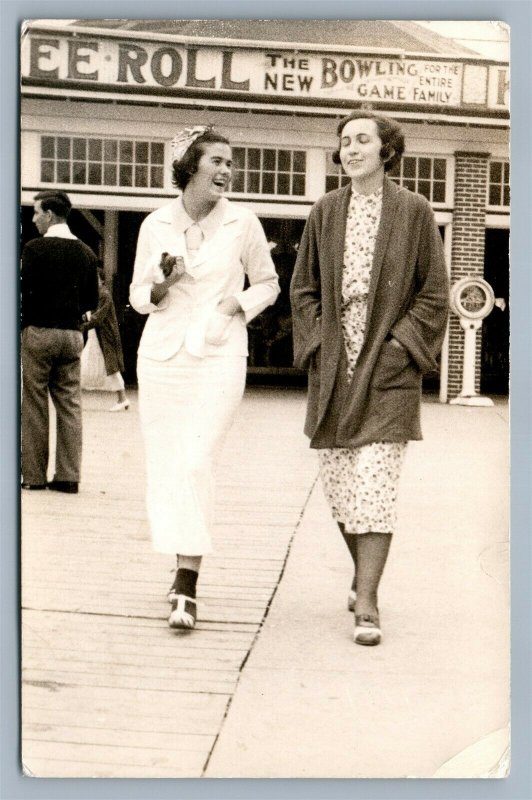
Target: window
[(499, 184), (334, 175), (422, 174), (261, 170), (102, 162)]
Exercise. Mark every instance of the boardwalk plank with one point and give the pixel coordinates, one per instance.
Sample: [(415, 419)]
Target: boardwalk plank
[(207, 611), (141, 756), (204, 708), (59, 768), (125, 653), (198, 681), (55, 624), (163, 738), (186, 723), (163, 674)]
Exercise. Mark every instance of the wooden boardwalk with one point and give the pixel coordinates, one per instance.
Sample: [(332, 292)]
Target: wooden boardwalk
[(108, 690)]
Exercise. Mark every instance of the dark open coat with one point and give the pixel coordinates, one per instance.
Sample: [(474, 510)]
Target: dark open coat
[(104, 321), (408, 299)]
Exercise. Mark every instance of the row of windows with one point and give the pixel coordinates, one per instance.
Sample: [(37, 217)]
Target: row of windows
[(256, 170), (421, 174), (102, 162)]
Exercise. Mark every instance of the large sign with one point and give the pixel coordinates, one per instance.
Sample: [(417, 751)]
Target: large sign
[(131, 65)]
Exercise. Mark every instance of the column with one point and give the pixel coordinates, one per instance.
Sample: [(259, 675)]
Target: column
[(110, 252)]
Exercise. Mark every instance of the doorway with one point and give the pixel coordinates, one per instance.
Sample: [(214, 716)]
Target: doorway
[(270, 334), (495, 358)]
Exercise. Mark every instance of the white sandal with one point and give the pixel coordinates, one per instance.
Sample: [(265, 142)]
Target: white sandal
[(123, 406), (184, 612), (171, 594), (367, 630)]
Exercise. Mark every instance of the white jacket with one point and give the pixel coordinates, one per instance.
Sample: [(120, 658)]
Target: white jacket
[(234, 246)]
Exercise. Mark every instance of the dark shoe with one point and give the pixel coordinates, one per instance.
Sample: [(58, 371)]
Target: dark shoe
[(34, 486), (184, 612), (70, 487), (367, 630)]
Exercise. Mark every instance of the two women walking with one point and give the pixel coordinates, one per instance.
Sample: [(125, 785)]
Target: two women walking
[(369, 307)]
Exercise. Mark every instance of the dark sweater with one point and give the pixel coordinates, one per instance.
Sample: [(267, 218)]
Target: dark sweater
[(59, 282)]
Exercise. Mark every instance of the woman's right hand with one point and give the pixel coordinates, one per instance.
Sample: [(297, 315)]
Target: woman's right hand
[(172, 267)]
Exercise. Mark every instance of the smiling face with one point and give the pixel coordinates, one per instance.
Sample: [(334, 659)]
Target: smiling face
[(213, 172), (360, 147)]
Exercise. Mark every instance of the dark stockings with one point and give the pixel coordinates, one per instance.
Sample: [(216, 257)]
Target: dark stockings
[(369, 552), (186, 577), (351, 542)]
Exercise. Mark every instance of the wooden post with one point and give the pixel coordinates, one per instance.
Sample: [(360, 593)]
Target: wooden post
[(110, 251)]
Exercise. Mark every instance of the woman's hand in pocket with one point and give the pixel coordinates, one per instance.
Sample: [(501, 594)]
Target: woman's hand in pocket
[(396, 343), (229, 306), (217, 331)]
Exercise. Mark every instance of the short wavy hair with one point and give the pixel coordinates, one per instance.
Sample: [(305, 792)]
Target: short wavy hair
[(390, 133), (56, 201), (184, 169)]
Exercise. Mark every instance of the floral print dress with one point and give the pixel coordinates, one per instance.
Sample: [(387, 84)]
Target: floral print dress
[(360, 483)]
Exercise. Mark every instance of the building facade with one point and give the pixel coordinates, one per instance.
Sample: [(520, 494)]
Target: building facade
[(100, 104)]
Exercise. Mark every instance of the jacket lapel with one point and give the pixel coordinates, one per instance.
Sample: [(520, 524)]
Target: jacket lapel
[(389, 207), (219, 237), (337, 245)]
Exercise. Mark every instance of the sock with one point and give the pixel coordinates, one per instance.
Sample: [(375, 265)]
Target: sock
[(186, 580)]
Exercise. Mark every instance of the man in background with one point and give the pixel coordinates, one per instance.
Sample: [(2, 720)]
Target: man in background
[(59, 284)]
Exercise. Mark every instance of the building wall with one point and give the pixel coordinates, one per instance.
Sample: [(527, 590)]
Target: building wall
[(463, 213)]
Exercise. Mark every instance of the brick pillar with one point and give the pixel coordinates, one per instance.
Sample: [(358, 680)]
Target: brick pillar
[(467, 250)]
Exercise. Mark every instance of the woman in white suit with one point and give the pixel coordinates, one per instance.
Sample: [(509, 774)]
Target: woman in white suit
[(193, 256)]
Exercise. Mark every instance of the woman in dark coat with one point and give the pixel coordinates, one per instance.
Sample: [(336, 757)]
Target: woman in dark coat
[(369, 307), (104, 323)]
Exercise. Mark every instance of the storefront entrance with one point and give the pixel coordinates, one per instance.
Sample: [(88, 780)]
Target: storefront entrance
[(270, 334)]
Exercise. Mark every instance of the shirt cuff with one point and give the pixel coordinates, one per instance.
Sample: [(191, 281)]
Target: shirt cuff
[(140, 299)]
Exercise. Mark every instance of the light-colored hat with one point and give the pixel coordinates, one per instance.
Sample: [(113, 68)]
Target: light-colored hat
[(182, 140)]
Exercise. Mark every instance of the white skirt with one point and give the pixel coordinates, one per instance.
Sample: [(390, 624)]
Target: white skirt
[(186, 407)]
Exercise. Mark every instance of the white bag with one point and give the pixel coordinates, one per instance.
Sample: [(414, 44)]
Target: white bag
[(93, 372)]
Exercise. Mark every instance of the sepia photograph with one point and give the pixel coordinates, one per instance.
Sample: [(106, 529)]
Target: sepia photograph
[(264, 415)]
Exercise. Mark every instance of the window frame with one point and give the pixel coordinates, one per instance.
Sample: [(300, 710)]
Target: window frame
[(448, 182), (118, 162), (260, 171), (505, 171)]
